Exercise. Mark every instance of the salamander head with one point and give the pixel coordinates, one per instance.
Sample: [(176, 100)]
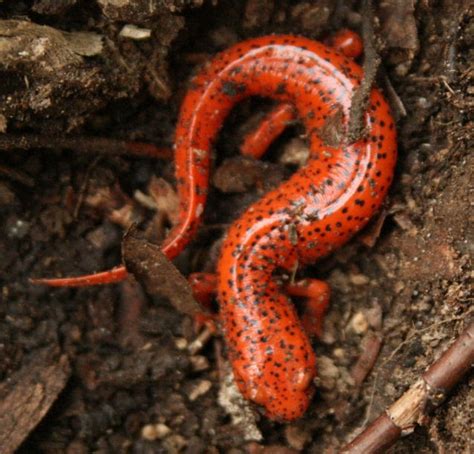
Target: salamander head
[(284, 389)]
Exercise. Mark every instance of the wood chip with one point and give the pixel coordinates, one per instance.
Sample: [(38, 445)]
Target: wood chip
[(159, 276), (28, 395), (136, 33)]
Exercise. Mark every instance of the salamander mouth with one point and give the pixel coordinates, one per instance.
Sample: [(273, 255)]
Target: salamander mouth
[(282, 405), (288, 408)]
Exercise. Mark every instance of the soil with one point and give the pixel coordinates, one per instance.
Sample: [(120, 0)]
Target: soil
[(109, 368)]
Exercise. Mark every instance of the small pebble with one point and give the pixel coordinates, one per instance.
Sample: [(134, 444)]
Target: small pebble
[(75, 333), (359, 279), (296, 152), (3, 124), (359, 323), (374, 317), (398, 286), (223, 37), (104, 236), (201, 388), (199, 363), (328, 373), (339, 353), (390, 390), (136, 33), (257, 13), (181, 343), (18, 229), (155, 431), (77, 447), (7, 196), (149, 432), (312, 15), (174, 443), (297, 437)]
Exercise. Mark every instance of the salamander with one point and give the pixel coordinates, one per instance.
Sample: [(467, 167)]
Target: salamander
[(319, 208)]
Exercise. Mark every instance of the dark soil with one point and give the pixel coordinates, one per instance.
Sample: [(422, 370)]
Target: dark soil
[(113, 359)]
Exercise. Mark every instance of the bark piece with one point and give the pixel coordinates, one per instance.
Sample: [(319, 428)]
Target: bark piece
[(28, 395), (160, 277)]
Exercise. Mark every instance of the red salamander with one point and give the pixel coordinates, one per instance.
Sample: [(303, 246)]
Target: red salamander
[(317, 210)]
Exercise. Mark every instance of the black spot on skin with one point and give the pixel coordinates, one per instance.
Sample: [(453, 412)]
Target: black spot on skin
[(281, 88), (233, 89)]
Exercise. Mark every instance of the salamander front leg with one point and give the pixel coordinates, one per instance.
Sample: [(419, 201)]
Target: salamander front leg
[(317, 295)]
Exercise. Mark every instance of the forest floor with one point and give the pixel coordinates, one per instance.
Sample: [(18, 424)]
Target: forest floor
[(108, 369)]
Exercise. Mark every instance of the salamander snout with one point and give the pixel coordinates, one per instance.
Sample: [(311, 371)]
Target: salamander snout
[(293, 398), (284, 390)]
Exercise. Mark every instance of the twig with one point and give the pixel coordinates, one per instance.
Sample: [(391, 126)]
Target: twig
[(411, 409), (399, 347), (370, 351), (132, 301), (82, 144), (85, 183), (201, 340), (18, 176), (371, 63), (395, 101), (448, 87)]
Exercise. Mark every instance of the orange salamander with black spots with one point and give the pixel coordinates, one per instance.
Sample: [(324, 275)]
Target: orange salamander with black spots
[(315, 211)]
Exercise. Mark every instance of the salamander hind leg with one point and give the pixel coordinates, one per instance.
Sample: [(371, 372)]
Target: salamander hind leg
[(203, 286)]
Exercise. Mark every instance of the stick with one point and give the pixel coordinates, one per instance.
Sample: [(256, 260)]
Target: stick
[(28, 394), (371, 64), (83, 144), (411, 409)]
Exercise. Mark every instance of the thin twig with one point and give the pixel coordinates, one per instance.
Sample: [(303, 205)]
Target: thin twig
[(370, 350), (85, 183), (18, 176), (83, 144), (360, 98), (201, 340), (395, 101)]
